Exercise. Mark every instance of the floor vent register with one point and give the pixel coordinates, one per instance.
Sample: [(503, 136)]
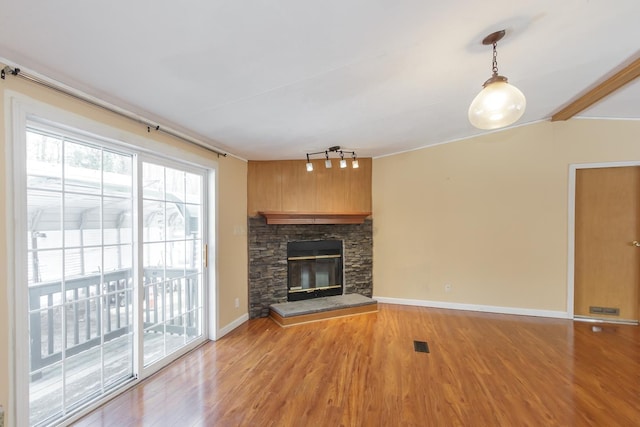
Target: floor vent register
[(421, 346)]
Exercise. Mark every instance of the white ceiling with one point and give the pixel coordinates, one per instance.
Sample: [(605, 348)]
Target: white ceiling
[(277, 79)]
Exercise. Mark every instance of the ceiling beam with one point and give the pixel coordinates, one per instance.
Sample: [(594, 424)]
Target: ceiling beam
[(610, 85)]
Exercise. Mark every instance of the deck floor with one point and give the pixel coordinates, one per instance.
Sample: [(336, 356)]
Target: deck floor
[(83, 373)]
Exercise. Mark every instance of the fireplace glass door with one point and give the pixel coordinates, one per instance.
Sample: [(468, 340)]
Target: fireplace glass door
[(314, 269)]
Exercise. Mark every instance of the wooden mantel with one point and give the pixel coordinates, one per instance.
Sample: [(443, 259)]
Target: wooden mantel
[(314, 217)]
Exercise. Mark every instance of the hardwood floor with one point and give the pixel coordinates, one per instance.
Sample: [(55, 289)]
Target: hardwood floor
[(482, 370)]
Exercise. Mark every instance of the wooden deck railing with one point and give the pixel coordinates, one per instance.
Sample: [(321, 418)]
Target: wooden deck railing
[(87, 297)]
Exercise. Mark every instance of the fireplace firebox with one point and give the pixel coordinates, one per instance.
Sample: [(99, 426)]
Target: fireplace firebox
[(314, 269)]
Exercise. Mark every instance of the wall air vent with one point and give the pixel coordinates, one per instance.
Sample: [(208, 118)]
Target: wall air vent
[(604, 310)]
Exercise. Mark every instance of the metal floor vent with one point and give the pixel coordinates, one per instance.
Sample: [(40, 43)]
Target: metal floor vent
[(421, 346)]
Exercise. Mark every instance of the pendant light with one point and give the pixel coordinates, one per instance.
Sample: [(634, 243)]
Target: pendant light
[(498, 104)]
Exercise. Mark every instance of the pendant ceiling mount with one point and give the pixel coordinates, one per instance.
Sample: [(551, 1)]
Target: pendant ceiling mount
[(493, 37)]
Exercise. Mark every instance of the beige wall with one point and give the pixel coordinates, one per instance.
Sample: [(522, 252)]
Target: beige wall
[(487, 215), (232, 251), (232, 208)]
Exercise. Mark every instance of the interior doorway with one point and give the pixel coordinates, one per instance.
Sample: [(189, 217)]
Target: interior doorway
[(606, 244)]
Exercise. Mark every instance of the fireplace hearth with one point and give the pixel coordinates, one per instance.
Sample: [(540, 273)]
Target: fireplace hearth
[(314, 269)]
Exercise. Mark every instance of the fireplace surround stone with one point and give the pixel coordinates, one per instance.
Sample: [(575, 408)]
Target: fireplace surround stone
[(268, 258)]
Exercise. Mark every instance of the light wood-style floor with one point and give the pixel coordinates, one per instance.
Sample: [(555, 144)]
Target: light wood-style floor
[(482, 370)]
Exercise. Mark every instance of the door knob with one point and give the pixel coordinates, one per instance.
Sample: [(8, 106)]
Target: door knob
[(636, 243)]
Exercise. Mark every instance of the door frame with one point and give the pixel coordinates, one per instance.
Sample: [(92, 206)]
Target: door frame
[(571, 223), (19, 109)]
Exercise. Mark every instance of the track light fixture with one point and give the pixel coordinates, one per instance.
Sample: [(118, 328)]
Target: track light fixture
[(498, 104), (327, 162)]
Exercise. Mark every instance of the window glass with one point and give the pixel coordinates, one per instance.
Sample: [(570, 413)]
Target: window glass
[(72, 359)]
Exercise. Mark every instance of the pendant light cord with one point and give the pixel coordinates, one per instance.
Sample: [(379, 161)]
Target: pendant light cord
[(495, 59)]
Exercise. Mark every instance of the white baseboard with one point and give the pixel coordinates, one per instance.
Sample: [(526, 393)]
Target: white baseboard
[(231, 326), (475, 307)]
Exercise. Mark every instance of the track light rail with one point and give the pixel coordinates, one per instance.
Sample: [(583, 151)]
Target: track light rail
[(327, 163)]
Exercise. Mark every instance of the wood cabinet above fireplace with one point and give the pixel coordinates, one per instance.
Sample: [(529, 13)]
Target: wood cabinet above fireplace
[(286, 187)]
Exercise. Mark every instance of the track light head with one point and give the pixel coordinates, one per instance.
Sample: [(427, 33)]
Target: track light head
[(327, 163), (309, 164)]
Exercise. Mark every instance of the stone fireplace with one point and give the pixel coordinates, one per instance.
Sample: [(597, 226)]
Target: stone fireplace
[(269, 264)]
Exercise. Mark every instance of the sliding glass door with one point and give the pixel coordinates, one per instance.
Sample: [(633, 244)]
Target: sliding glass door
[(111, 267)]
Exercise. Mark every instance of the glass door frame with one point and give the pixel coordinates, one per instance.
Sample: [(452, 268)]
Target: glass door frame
[(145, 371), (22, 110)]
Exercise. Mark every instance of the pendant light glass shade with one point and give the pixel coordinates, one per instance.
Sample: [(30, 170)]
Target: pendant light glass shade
[(498, 104)]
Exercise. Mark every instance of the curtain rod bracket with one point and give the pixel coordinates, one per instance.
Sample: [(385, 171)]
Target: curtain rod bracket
[(7, 69)]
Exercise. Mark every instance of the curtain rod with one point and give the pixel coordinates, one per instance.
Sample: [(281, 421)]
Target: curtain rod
[(16, 72)]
